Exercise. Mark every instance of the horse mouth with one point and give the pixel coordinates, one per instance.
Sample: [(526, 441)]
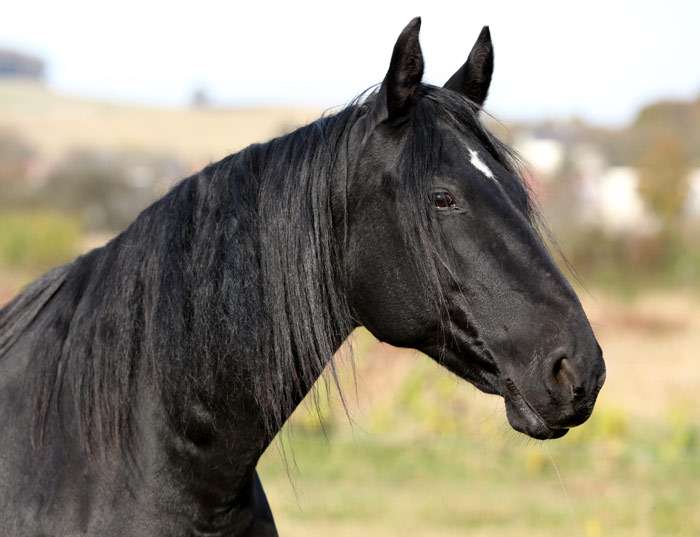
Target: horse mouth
[(520, 413), (525, 419)]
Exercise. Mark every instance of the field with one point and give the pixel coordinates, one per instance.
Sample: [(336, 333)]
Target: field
[(429, 456), (196, 136), (422, 454)]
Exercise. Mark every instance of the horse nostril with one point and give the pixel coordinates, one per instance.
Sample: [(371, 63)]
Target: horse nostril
[(562, 372), (563, 375)]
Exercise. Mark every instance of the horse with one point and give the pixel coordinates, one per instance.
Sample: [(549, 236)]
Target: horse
[(140, 383)]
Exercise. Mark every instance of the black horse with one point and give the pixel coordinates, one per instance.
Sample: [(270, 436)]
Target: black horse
[(140, 383)]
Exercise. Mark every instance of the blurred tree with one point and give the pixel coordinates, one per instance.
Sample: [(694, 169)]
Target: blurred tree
[(681, 118), (562, 206), (663, 177), (15, 159), (200, 98), (107, 189)]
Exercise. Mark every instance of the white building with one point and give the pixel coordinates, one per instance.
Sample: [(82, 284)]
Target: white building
[(692, 206), (613, 202), (545, 156)]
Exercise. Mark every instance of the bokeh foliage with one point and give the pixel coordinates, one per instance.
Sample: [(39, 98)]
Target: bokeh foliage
[(36, 241)]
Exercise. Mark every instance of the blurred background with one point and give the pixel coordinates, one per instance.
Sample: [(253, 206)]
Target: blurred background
[(104, 105)]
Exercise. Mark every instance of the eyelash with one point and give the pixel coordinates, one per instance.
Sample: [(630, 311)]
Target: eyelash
[(443, 200)]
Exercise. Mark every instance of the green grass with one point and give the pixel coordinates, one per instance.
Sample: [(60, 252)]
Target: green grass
[(643, 481), (436, 459), (35, 240)]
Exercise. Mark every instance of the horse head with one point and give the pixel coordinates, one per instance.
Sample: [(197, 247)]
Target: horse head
[(443, 250)]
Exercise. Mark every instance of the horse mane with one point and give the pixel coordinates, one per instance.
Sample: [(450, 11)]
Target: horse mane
[(236, 274), (19, 313)]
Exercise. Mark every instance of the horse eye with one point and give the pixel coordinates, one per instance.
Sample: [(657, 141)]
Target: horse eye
[(444, 200)]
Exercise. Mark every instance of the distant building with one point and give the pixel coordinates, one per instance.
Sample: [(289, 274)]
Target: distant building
[(692, 206), (545, 156), (613, 202), (15, 64)]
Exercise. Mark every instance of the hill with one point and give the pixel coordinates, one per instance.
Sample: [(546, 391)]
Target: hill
[(55, 123)]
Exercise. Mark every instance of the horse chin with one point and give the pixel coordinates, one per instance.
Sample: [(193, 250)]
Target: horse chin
[(521, 416), (525, 419)]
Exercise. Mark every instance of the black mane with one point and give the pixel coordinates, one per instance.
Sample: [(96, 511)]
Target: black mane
[(246, 254)]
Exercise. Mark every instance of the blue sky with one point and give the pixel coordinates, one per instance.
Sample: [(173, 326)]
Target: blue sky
[(597, 59)]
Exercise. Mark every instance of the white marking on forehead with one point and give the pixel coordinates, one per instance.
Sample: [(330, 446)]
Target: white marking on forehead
[(480, 164)]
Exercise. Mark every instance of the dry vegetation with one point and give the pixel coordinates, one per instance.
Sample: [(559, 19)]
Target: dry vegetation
[(55, 124), (428, 455), (652, 348)]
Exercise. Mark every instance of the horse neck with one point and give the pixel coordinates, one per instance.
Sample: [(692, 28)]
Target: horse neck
[(237, 389), (199, 327), (259, 332)]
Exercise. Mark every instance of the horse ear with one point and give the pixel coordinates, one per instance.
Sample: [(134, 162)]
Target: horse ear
[(405, 71), (474, 77)]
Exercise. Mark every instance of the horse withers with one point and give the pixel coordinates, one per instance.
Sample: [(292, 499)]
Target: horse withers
[(140, 383)]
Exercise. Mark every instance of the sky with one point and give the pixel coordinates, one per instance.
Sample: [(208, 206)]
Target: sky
[(598, 60)]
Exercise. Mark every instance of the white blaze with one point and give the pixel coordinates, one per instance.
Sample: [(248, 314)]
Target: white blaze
[(480, 164)]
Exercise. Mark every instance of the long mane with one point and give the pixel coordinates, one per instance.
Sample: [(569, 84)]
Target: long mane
[(236, 274)]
